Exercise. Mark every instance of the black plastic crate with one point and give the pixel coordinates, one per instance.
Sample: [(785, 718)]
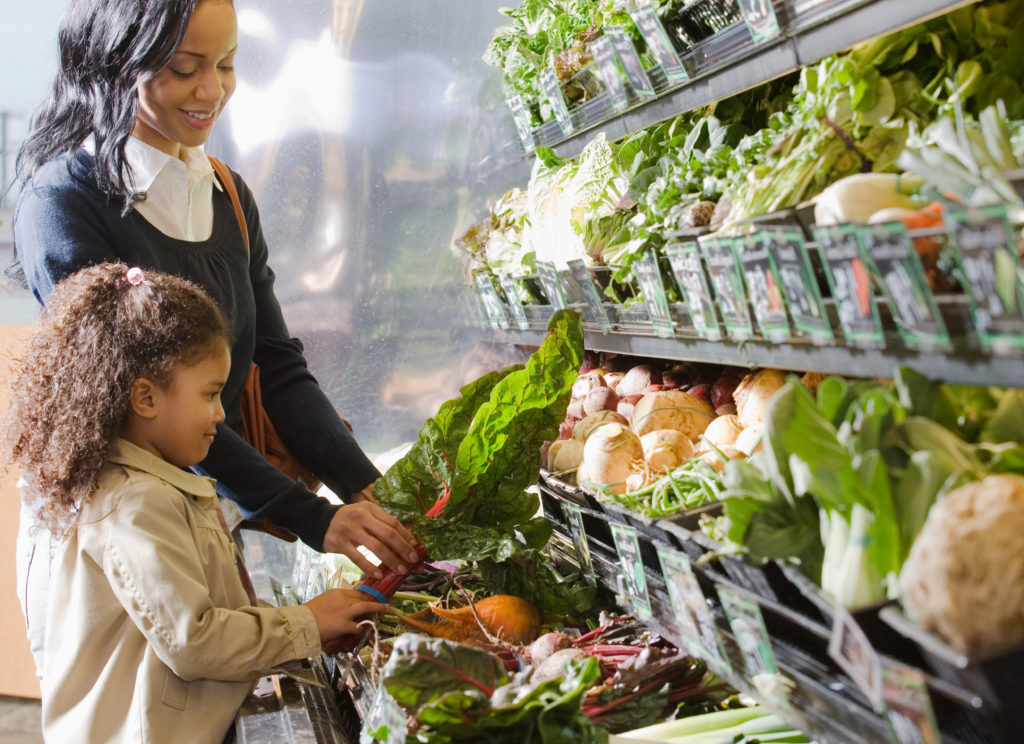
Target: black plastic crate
[(997, 680), (595, 522), (697, 20)]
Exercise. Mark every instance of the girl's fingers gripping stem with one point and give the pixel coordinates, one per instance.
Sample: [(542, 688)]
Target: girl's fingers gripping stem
[(365, 524)]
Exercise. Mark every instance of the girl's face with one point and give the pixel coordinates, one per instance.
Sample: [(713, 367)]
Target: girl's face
[(178, 105), (188, 410)]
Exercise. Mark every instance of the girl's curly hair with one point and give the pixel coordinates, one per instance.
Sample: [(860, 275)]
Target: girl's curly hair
[(70, 389)]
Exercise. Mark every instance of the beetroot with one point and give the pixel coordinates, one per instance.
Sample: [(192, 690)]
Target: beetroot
[(721, 390), (600, 399), (702, 391), (655, 389), (638, 378)]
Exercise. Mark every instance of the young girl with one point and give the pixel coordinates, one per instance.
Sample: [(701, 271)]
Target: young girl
[(112, 170), (150, 633)]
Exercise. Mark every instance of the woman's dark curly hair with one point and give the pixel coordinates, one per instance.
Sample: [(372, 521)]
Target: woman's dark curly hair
[(70, 390)]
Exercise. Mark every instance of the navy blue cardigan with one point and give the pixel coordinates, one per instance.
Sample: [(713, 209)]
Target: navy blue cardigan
[(63, 222)]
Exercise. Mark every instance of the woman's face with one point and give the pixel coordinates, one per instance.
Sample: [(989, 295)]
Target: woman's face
[(178, 105)]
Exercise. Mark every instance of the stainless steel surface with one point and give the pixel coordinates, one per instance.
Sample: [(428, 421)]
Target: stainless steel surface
[(372, 135)]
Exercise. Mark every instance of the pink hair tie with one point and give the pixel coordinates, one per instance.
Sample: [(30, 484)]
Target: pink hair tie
[(135, 277)]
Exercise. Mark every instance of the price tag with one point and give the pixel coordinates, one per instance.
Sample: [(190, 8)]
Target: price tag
[(763, 286), (727, 280), (385, 722), (851, 285), (522, 119), (607, 63), (594, 309), (852, 650), (761, 20), (508, 286), (686, 265), (492, 303), (987, 258), (892, 258), (646, 19), (799, 287), (631, 62), (696, 622), (752, 637), (908, 704), (627, 545), (579, 537), (553, 89), (648, 276), (552, 284)]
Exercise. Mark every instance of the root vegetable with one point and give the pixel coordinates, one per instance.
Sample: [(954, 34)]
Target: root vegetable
[(811, 381), (608, 458), (702, 391), (749, 440), (600, 399), (717, 461), (587, 382), (638, 479), (964, 578), (612, 379), (584, 427), (636, 379), (626, 406), (671, 409), (754, 392), (575, 409), (546, 645), (655, 389), (510, 618), (726, 409), (553, 666), (566, 427), (722, 432), (666, 449), (722, 389), (565, 454)]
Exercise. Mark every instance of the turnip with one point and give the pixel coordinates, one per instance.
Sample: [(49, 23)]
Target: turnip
[(546, 645), (553, 667), (656, 388), (565, 454), (584, 427), (612, 379), (600, 399), (575, 409), (722, 432), (678, 376), (726, 409), (636, 379), (671, 409), (811, 381), (608, 458), (666, 449), (749, 440), (639, 478), (565, 428), (717, 458), (627, 404), (753, 394), (587, 382)]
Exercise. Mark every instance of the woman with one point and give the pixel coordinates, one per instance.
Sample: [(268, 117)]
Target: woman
[(112, 170)]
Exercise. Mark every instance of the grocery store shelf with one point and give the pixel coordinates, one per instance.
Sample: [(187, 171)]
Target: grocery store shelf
[(964, 367), (815, 30)]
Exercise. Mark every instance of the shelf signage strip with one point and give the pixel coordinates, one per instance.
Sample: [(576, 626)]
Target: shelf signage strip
[(799, 286), (850, 283), (727, 280), (646, 19), (648, 276), (763, 286)]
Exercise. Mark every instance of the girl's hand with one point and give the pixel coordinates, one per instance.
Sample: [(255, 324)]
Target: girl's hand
[(366, 524), (338, 611)]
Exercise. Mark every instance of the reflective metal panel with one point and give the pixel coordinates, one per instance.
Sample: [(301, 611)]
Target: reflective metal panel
[(372, 135)]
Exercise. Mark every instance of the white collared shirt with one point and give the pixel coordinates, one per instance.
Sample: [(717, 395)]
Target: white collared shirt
[(179, 192)]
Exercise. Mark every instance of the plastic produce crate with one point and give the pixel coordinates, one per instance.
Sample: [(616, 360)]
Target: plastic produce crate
[(700, 19)]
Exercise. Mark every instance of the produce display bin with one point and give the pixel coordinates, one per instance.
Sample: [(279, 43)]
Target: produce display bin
[(697, 20)]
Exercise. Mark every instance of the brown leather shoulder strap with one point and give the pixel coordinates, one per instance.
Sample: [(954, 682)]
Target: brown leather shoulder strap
[(224, 175)]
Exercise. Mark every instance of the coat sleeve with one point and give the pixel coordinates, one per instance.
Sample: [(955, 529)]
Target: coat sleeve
[(56, 233), (161, 574), (303, 416)]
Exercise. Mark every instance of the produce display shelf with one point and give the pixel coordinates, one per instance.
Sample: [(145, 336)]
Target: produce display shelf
[(809, 31), (964, 367)]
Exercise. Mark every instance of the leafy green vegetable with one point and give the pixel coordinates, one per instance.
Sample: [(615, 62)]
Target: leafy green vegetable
[(456, 693), (462, 486)]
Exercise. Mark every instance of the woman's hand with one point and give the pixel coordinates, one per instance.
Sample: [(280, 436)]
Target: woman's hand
[(366, 524), (338, 611)]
